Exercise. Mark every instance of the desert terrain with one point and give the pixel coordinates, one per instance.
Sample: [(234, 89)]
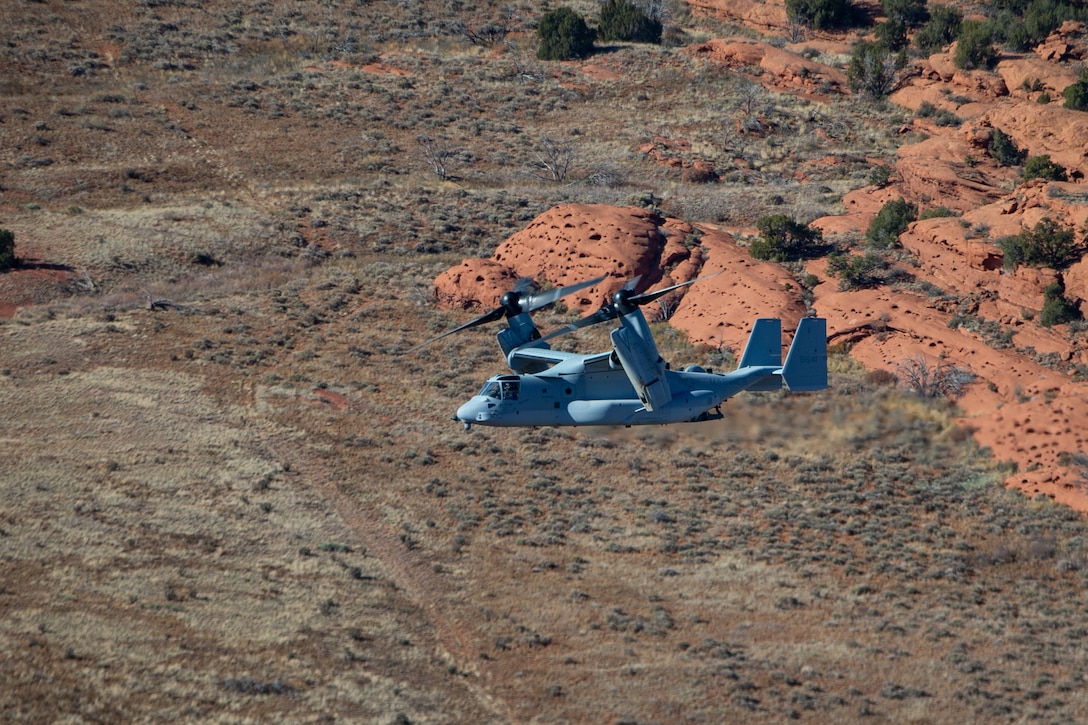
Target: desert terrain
[(228, 496)]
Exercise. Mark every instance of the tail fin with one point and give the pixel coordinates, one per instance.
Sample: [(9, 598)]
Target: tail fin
[(806, 362), (764, 344), (764, 349)]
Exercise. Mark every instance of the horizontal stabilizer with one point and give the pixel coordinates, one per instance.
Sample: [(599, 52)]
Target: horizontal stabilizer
[(806, 362)]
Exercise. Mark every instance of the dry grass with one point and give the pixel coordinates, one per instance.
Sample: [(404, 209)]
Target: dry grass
[(248, 506)]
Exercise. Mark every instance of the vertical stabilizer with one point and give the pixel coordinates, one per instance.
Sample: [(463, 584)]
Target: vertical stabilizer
[(764, 345), (806, 362)]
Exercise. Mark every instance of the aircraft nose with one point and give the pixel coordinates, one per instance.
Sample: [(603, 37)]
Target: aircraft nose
[(474, 411)]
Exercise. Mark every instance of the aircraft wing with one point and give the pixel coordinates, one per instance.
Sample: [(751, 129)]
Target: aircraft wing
[(523, 357)]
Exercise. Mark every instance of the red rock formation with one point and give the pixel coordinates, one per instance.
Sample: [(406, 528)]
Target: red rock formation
[(1027, 404)]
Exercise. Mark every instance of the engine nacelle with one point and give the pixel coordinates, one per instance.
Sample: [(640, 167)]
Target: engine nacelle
[(644, 367)]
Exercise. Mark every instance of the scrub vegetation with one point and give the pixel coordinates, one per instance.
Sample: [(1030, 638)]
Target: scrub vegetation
[(227, 495)]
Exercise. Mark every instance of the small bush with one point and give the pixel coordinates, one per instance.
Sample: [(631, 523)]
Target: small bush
[(880, 175), (563, 35), (858, 272), (942, 28), (936, 212), (7, 249), (934, 381), (908, 12), (1047, 245), (975, 46), (623, 20), (1026, 24), (1004, 150), (892, 34), (1041, 167), (890, 222), (1076, 94), (939, 116), (874, 68), (823, 14), (1057, 310), (782, 239)]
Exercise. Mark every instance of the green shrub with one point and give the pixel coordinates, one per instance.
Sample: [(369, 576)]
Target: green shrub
[(1025, 27), (909, 12), (1047, 245), (623, 20), (824, 14), (874, 68), (1057, 309), (975, 46), (858, 272), (892, 34), (1076, 94), (7, 249), (782, 239), (944, 117), (942, 28), (880, 175), (936, 212), (890, 222), (1041, 167), (940, 116), (1004, 150), (564, 35)]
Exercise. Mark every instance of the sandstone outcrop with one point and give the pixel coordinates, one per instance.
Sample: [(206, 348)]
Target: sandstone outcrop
[(967, 310)]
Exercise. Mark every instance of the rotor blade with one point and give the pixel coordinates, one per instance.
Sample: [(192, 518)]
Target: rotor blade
[(495, 314), (647, 297), (535, 302), (608, 312)]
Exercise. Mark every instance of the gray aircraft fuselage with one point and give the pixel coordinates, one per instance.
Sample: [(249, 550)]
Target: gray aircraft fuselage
[(603, 397)]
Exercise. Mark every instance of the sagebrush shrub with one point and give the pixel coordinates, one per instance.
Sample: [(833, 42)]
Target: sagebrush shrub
[(874, 68)]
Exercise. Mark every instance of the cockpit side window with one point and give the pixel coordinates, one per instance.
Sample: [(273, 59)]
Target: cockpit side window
[(502, 390)]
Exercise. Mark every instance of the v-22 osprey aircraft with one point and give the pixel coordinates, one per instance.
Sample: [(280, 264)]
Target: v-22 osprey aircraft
[(631, 384)]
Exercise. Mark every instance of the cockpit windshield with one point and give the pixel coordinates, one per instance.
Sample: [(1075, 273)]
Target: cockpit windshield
[(501, 389)]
